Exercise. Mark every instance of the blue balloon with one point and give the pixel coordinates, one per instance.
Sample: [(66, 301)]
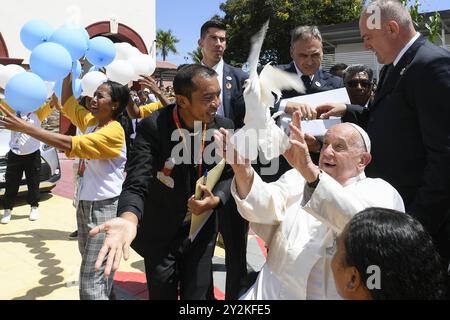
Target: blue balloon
[(25, 92), (35, 32), (101, 51), (50, 61), (76, 69), (86, 35), (77, 88), (71, 38), (58, 88)]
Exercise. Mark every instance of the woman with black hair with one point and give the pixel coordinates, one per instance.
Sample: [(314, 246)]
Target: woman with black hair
[(102, 151), (383, 254)]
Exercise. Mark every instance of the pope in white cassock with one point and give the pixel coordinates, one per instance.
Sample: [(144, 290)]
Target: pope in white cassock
[(300, 215)]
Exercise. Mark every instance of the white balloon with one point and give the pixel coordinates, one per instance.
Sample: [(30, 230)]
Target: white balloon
[(134, 52), (143, 64), (91, 81), (123, 49), (7, 72), (121, 71)]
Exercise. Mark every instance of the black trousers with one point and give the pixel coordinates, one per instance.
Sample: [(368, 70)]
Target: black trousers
[(15, 167), (234, 231), (185, 271)]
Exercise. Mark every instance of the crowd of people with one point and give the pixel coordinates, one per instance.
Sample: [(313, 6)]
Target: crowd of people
[(362, 213)]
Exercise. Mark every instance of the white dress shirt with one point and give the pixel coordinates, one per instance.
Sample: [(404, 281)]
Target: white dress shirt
[(218, 68), (300, 224), (408, 45), (21, 143)]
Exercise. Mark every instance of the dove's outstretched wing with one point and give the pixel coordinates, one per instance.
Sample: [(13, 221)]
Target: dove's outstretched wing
[(255, 50), (274, 80), (260, 129)]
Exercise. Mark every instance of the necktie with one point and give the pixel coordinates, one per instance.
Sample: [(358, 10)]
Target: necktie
[(306, 81), (386, 73)]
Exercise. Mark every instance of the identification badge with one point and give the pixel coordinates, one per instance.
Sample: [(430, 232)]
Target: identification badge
[(164, 175)]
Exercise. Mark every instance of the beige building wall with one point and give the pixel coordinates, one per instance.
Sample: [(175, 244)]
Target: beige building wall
[(138, 15)]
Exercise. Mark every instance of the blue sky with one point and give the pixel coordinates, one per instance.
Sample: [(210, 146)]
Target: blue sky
[(185, 17)]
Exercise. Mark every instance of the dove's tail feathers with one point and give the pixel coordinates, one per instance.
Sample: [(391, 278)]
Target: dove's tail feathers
[(256, 41), (274, 80)]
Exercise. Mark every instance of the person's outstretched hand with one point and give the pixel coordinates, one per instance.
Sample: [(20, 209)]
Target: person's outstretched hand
[(225, 148), (12, 122), (54, 102), (119, 233), (298, 154), (327, 110)]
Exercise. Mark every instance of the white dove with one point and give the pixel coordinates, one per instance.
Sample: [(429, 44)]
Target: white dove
[(260, 130)]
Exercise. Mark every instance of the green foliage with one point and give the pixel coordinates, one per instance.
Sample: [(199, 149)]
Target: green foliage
[(432, 25), (196, 55), (244, 18), (165, 43)]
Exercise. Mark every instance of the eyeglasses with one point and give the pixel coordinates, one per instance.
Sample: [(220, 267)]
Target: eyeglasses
[(354, 83)]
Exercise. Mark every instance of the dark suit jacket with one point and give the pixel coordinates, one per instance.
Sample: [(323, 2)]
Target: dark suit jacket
[(161, 209), (410, 134), (233, 99), (322, 81)]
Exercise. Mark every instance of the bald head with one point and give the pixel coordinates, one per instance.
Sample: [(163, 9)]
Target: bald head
[(386, 27), (389, 10)]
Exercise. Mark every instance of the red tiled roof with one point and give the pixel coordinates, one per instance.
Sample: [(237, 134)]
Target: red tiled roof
[(165, 65)]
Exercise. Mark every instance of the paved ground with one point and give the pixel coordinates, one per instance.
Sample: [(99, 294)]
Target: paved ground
[(39, 261)]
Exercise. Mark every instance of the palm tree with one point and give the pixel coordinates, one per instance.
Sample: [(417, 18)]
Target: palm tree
[(165, 43), (196, 55)]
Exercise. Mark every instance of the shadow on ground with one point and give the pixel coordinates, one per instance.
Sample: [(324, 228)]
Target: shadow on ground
[(21, 200), (51, 272)]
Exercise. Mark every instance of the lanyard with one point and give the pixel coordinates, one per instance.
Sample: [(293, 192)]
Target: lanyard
[(82, 162), (176, 119)]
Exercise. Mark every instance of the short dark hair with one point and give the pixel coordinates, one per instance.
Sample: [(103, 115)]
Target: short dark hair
[(357, 68), (183, 85), (182, 66), (119, 93), (398, 244), (337, 67), (83, 101), (214, 23)]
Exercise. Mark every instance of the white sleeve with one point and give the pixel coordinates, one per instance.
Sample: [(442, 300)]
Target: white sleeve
[(266, 203), (335, 205)]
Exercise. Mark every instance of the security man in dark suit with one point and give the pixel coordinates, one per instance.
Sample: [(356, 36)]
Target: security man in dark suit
[(231, 225), (407, 120), (158, 193), (307, 54)]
